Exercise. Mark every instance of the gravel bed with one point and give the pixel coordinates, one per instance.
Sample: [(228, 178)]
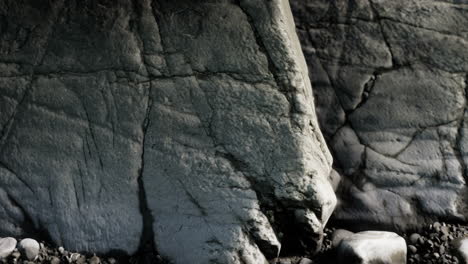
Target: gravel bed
[(430, 245)]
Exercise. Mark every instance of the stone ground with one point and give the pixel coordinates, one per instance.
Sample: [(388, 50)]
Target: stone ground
[(430, 245)]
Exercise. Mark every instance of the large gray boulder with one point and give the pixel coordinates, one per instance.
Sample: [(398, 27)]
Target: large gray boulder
[(189, 125), (390, 86)]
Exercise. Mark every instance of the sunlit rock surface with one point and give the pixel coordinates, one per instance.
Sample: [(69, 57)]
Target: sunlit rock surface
[(390, 81), (189, 124)]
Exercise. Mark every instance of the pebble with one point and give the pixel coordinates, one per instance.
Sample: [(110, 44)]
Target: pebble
[(7, 245), (306, 261), (94, 260), (412, 249), (81, 260), (29, 248), (54, 260), (73, 257), (414, 238), (61, 250)]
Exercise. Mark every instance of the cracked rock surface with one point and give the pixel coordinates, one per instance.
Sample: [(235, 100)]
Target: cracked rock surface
[(390, 87), (186, 125)]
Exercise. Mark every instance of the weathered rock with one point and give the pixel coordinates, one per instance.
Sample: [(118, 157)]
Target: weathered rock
[(29, 248), (390, 82), (372, 247), (7, 245), (184, 124)]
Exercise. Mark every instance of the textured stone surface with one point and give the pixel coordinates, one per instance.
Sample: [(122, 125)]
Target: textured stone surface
[(372, 247), (390, 82), (186, 123)]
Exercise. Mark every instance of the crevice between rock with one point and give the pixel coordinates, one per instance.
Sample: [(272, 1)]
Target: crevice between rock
[(460, 134), (147, 242)]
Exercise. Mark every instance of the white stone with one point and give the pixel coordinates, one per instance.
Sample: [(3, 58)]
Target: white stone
[(29, 248), (372, 247), (461, 247), (7, 245)]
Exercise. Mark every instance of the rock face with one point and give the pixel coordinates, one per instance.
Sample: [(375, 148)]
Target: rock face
[(187, 124), (390, 86)]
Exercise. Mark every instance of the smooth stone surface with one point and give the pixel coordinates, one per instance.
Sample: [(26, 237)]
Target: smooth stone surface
[(460, 245), (338, 235), (372, 247), (29, 248), (413, 249), (7, 245)]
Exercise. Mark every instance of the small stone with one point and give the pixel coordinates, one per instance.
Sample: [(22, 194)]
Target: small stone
[(54, 260), (430, 243), (441, 249), (94, 260), (29, 248), (61, 250), (15, 254), (412, 249), (81, 260), (414, 238), (436, 255), (421, 240), (305, 261), (444, 230), (74, 256), (111, 260), (7, 245)]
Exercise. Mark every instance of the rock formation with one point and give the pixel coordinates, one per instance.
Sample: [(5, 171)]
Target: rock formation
[(390, 86), (185, 124)]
